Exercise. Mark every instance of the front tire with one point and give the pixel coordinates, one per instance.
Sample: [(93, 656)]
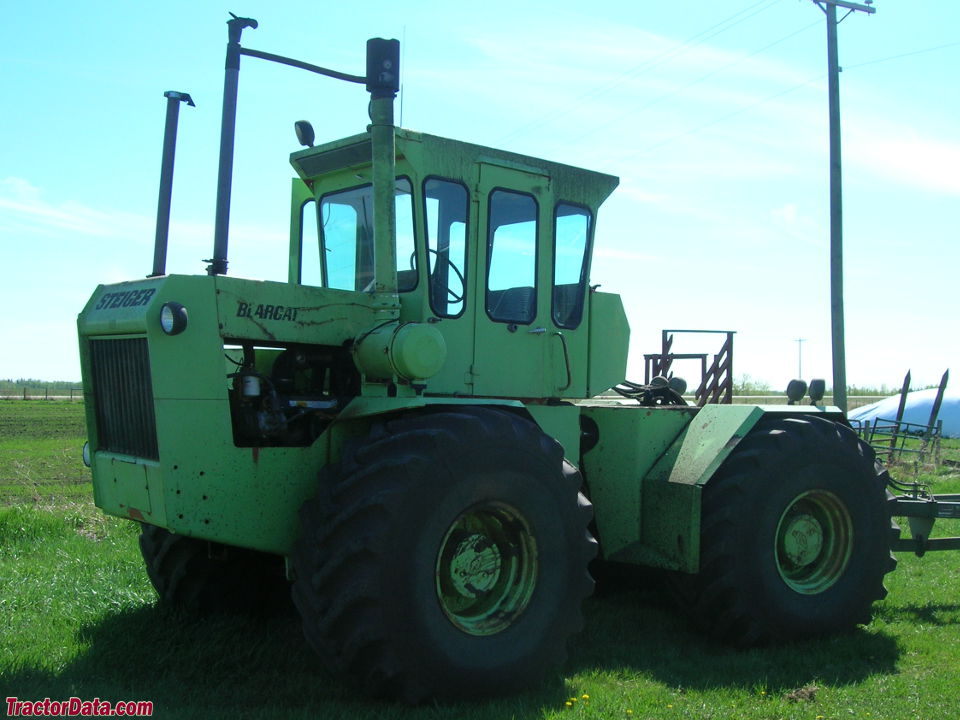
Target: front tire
[(203, 578), (445, 556), (795, 535)]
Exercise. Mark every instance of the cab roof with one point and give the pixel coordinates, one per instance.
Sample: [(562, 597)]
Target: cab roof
[(433, 155)]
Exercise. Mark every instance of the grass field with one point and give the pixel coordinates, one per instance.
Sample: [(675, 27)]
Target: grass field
[(79, 618)]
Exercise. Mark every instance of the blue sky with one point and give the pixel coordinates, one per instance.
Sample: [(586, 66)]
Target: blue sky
[(713, 114)]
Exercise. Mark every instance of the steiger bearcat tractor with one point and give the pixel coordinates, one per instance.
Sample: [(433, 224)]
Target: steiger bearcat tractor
[(407, 434)]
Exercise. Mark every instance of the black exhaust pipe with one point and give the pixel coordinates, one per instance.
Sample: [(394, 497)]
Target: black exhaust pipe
[(235, 27), (174, 99)]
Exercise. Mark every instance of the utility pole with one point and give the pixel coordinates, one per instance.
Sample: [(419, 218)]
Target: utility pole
[(800, 342), (836, 196)]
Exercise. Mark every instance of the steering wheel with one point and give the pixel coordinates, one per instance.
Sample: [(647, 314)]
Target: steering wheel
[(454, 297)]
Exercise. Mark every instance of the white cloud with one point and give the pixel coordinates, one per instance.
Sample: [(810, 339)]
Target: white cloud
[(642, 196), (797, 225), (24, 208), (27, 207), (612, 253), (787, 213), (904, 156)]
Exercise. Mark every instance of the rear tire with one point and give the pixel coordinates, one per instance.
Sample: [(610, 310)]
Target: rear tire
[(795, 535), (203, 578), (446, 556)]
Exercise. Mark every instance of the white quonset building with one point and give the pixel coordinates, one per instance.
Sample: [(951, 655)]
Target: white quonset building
[(917, 410)]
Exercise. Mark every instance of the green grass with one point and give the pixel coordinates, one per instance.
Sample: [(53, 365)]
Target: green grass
[(40, 444), (79, 618)]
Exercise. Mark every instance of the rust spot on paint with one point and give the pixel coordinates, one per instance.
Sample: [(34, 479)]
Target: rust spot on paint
[(256, 455), (134, 513)]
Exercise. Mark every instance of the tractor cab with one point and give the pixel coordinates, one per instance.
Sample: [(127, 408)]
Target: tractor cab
[(492, 249)]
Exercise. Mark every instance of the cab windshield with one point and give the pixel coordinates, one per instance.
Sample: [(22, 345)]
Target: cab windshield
[(346, 238)]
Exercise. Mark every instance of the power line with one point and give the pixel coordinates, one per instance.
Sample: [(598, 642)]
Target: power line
[(774, 96), (645, 66), (700, 38), (902, 55), (698, 80), (727, 116), (687, 45)]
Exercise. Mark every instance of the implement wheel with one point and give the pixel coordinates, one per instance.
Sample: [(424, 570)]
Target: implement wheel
[(202, 577), (795, 537), (446, 556)]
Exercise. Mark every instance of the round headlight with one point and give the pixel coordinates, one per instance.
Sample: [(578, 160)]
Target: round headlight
[(173, 318), (86, 453)]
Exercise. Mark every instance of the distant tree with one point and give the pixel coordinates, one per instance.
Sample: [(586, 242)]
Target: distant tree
[(747, 385), (864, 390), (33, 386)]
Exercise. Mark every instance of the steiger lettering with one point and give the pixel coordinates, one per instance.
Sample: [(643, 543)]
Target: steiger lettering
[(130, 298)]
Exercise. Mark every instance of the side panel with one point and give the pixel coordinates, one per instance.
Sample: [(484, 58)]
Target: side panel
[(206, 487), (609, 342), (239, 496), (279, 312), (631, 440)]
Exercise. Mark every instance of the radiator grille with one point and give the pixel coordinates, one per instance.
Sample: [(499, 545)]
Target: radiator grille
[(123, 397)]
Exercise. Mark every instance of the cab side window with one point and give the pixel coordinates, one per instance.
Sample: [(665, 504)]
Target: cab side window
[(571, 242), (446, 213), (406, 243), (311, 272)]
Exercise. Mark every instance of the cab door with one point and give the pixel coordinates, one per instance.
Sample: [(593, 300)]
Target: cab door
[(512, 285)]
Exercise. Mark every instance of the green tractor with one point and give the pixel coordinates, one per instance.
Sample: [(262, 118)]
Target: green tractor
[(408, 434)]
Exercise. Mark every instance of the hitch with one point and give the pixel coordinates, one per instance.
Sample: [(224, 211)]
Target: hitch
[(922, 510)]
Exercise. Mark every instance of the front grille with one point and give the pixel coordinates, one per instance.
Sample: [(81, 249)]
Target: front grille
[(123, 397)]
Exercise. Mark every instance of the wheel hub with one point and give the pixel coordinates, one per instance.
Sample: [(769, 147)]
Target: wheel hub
[(475, 566), (486, 569), (814, 542), (803, 539)]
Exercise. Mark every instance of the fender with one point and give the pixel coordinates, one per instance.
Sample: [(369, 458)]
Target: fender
[(670, 524)]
